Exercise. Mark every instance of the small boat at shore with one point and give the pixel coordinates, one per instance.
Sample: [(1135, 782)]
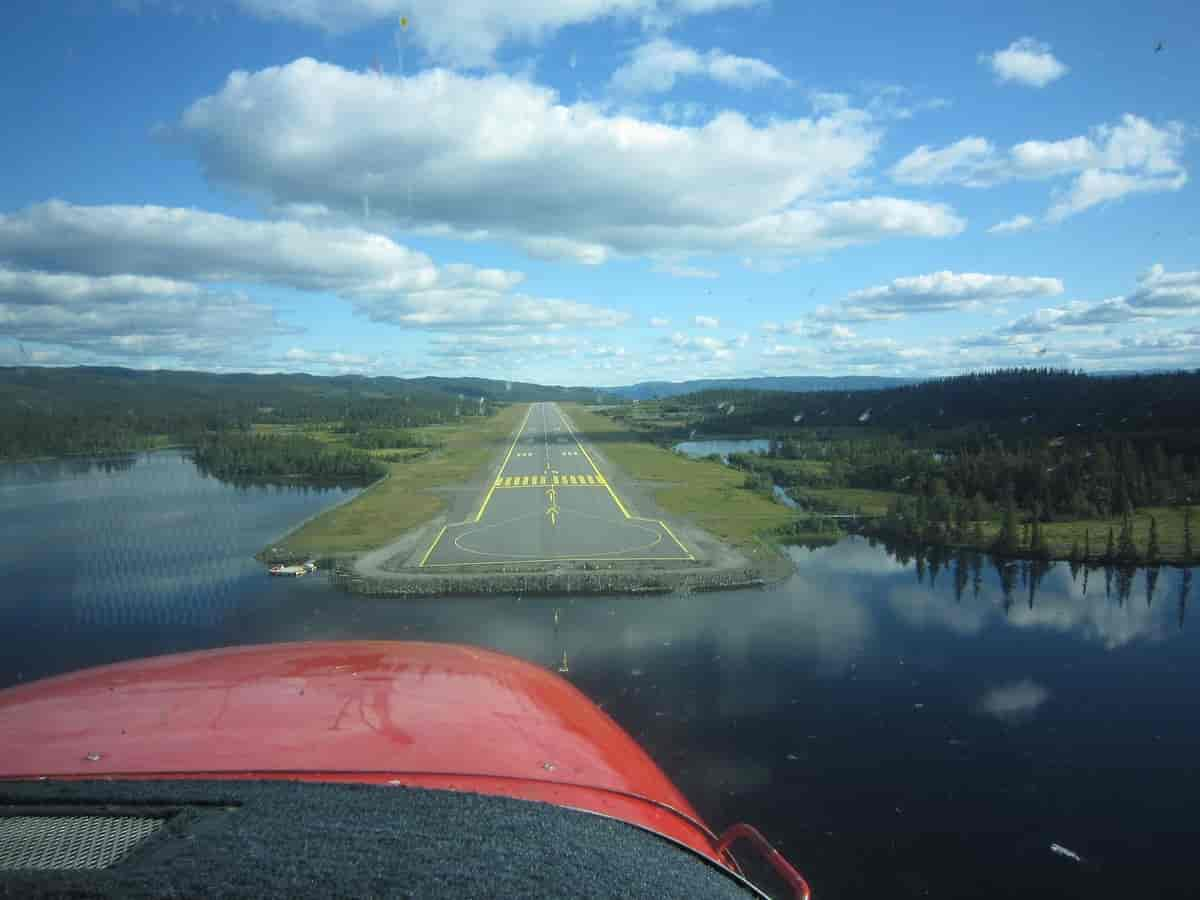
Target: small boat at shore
[(296, 571)]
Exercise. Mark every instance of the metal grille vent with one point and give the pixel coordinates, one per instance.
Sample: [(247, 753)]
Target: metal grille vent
[(70, 842)]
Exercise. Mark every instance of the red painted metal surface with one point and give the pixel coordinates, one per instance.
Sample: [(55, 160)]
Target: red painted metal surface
[(785, 870), (439, 716)]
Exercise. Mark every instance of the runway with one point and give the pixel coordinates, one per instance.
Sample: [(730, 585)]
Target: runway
[(549, 503)]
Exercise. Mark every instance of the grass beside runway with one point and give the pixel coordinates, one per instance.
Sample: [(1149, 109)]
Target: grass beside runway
[(705, 493), (403, 500)]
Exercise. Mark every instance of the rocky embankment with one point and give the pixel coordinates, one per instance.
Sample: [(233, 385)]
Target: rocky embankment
[(556, 581)]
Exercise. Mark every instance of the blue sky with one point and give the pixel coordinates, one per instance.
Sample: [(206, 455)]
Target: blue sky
[(600, 191)]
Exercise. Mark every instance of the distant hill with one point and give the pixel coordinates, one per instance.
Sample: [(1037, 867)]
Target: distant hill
[(515, 391), (99, 408), (83, 386), (1026, 400), (647, 390)]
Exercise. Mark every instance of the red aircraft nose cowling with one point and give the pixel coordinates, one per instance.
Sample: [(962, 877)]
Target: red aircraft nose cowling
[(441, 716)]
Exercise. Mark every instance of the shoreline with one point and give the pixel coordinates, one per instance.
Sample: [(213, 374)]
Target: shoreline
[(271, 554), (92, 454), (615, 580)]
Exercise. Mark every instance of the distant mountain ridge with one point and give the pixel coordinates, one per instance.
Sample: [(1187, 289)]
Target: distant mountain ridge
[(646, 390)]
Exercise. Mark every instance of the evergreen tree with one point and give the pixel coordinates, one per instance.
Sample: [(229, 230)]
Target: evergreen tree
[(1152, 547), (960, 520), (1037, 540), (1126, 548), (1006, 540), (1087, 544), (1110, 551)]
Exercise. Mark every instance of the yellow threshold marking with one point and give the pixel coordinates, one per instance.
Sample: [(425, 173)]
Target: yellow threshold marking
[(520, 481)]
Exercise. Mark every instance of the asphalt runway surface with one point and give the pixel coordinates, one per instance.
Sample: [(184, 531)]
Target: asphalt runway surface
[(550, 503)]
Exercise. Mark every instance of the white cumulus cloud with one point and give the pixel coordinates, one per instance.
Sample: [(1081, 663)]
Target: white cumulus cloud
[(970, 161), (938, 292), (656, 65), (1159, 294), (706, 322), (1008, 226), (1025, 61), (501, 158), (1131, 156), (125, 316), (382, 279), (701, 347), (1096, 186)]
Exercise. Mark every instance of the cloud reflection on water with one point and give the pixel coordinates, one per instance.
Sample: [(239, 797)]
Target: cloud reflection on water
[(1013, 701)]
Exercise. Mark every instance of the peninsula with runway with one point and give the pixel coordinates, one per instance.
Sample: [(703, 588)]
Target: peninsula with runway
[(551, 514), (550, 503), (476, 485)]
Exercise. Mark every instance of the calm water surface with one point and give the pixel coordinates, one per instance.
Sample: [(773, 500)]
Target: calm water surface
[(701, 449), (899, 728)]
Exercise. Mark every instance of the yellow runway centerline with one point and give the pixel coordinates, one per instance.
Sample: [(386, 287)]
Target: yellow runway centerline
[(553, 479)]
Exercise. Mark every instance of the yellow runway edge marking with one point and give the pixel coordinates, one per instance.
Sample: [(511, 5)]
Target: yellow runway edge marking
[(507, 456), (431, 546), (612, 493), (492, 490)]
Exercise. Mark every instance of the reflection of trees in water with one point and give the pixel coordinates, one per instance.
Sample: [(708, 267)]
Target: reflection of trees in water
[(939, 558), (1151, 583), (1030, 571), (54, 469), (1125, 575), (960, 575), (107, 465), (967, 565), (1007, 571), (1035, 571), (1185, 588), (279, 484)]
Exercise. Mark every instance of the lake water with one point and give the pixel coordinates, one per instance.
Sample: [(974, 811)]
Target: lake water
[(898, 727), (782, 496), (701, 449)]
